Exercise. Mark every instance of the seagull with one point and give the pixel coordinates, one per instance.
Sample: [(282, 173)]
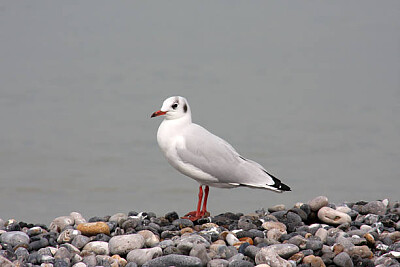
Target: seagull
[(205, 157)]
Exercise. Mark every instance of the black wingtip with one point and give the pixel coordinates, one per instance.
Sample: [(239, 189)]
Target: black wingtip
[(278, 184)]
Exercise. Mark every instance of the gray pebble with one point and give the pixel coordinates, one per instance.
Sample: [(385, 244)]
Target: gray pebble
[(318, 202), (141, 256), (343, 259), (284, 250), (122, 244), (199, 251), (182, 223), (15, 238), (374, 207), (98, 247), (218, 263), (314, 243), (240, 263), (80, 241), (174, 260)]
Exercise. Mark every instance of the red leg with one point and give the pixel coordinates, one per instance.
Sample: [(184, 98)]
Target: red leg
[(204, 209), (195, 215)]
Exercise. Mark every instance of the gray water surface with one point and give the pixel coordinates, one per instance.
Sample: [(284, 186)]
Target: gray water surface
[(310, 90)]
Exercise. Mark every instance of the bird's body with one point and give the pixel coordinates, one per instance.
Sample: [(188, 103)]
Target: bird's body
[(205, 157)]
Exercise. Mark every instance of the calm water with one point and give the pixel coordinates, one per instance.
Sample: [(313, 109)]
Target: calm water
[(309, 90)]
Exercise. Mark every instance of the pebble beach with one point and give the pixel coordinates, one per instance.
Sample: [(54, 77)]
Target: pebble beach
[(316, 233)]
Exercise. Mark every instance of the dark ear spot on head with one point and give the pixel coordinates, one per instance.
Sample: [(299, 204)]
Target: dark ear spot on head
[(185, 108)]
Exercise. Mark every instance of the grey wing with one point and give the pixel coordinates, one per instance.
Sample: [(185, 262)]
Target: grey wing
[(216, 157)]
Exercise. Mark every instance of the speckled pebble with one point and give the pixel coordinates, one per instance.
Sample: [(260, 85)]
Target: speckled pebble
[(122, 244), (333, 217), (318, 202)]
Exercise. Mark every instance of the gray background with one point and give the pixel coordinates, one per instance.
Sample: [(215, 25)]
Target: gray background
[(309, 89)]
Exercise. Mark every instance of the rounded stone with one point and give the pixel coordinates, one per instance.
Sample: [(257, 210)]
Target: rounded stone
[(174, 260), (270, 256), (314, 261), (362, 251), (231, 239), (60, 223), (150, 239), (284, 250), (67, 235), (15, 238), (278, 207), (94, 228), (119, 218), (122, 244), (80, 241), (333, 217), (218, 263), (141, 256), (318, 202), (77, 217), (343, 259), (322, 233), (182, 223), (97, 247), (374, 207), (199, 251), (274, 225)]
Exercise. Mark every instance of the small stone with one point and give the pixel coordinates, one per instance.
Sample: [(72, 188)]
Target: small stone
[(322, 234), (141, 256), (343, 209), (199, 251), (90, 260), (150, 239), (79, 264), (122, 244), (343, 259), (94, 228), (274, 225), (63, 253), (270, 256), (187, 230), (38, 244), (374, 207), (299, 241), (67, 235), (284, 250), (174, 260), (275, 234), (15, 238), (318, 202), (60, 223), (80, 241), (298, 257), (97, 247), (362, 251), (119, 218), (231, 239), (182, 223), (77, 217), (218, 263), (240, 263), (314, 243), (278, 207), (314, 261), (35, 231), (334, 217)]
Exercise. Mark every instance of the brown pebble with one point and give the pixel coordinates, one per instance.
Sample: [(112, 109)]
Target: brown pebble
[(297, 257), (308, 235), (247, 239), (370, 238), (187, 230), (238, 244), (338, 248), (314, 261), (93, 228)]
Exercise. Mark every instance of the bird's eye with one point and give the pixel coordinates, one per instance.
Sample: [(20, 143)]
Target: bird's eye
[(174, 106)]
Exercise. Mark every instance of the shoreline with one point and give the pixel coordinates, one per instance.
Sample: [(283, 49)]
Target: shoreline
[(316, 233)]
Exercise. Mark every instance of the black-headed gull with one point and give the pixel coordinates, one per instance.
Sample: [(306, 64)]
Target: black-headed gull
[(205, 157)]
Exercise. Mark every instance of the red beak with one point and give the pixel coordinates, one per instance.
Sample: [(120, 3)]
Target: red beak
[(158, 113)]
